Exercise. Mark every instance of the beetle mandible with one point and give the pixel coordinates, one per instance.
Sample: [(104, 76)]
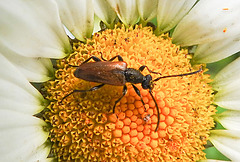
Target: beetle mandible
[(118, 74)]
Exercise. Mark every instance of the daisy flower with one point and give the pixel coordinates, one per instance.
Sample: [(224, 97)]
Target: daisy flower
[(49, 113)]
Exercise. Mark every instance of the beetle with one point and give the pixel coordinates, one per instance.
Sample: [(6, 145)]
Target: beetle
[(117, 73)]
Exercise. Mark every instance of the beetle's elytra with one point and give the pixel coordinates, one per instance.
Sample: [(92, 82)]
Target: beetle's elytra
[(118, 74)]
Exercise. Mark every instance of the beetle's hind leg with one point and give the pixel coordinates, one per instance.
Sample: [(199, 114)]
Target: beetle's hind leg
[(123, 94), (89, 90), (96, 59), (102, 57), (113, 58)]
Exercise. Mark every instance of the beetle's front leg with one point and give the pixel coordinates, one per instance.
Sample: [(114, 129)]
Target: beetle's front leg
[(139, 94), (150, 71), (158, 111)]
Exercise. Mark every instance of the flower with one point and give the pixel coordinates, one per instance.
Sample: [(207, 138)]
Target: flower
[(83, 126)]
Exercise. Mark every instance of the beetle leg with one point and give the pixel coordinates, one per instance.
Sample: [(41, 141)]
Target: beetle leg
[(92, 89), (117, 56), (123, 94), (89, 90), (102, 57), (150, 71), (96, 59), (73, 65), (158, 112), (139, 94)]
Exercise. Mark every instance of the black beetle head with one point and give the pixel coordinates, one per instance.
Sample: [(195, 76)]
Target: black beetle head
[(147, 82)]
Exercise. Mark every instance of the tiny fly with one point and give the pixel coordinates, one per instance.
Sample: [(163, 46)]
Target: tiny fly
[(118, 74)]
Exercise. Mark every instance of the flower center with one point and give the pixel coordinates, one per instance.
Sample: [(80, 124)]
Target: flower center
[(84, 126)]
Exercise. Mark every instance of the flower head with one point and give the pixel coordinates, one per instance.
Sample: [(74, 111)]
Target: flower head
[(82, 122)]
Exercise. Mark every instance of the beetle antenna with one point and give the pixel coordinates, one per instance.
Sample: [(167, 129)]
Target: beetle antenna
[(177, 75), (158, 112)]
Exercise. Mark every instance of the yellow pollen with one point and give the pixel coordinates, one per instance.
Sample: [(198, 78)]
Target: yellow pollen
[(84, 127)]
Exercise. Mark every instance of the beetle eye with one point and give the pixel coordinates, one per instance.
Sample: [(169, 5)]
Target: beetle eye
[(147, 83), (151, 85)]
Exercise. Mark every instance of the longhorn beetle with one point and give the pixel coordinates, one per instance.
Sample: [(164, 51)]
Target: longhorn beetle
[(117, 73)]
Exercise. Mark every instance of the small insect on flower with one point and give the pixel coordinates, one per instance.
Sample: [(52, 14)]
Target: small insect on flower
[(116, 73), (147, 118)]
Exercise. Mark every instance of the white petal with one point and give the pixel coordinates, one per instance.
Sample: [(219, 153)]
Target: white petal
[(34, 69), (97, 26), (13, 120), (105, 12), (228, 76), (16, 93), (208, 21), (217, 50), (78, 17), (226, 82), (40, 154), (227, 142), (229, 98), (21, 136), (170, 12), (229, 119), (50, 160), (33, 28), (126, 10), (68, 33), (147, 9)]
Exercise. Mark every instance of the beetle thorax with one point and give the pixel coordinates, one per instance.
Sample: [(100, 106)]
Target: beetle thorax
[(133, 76)]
